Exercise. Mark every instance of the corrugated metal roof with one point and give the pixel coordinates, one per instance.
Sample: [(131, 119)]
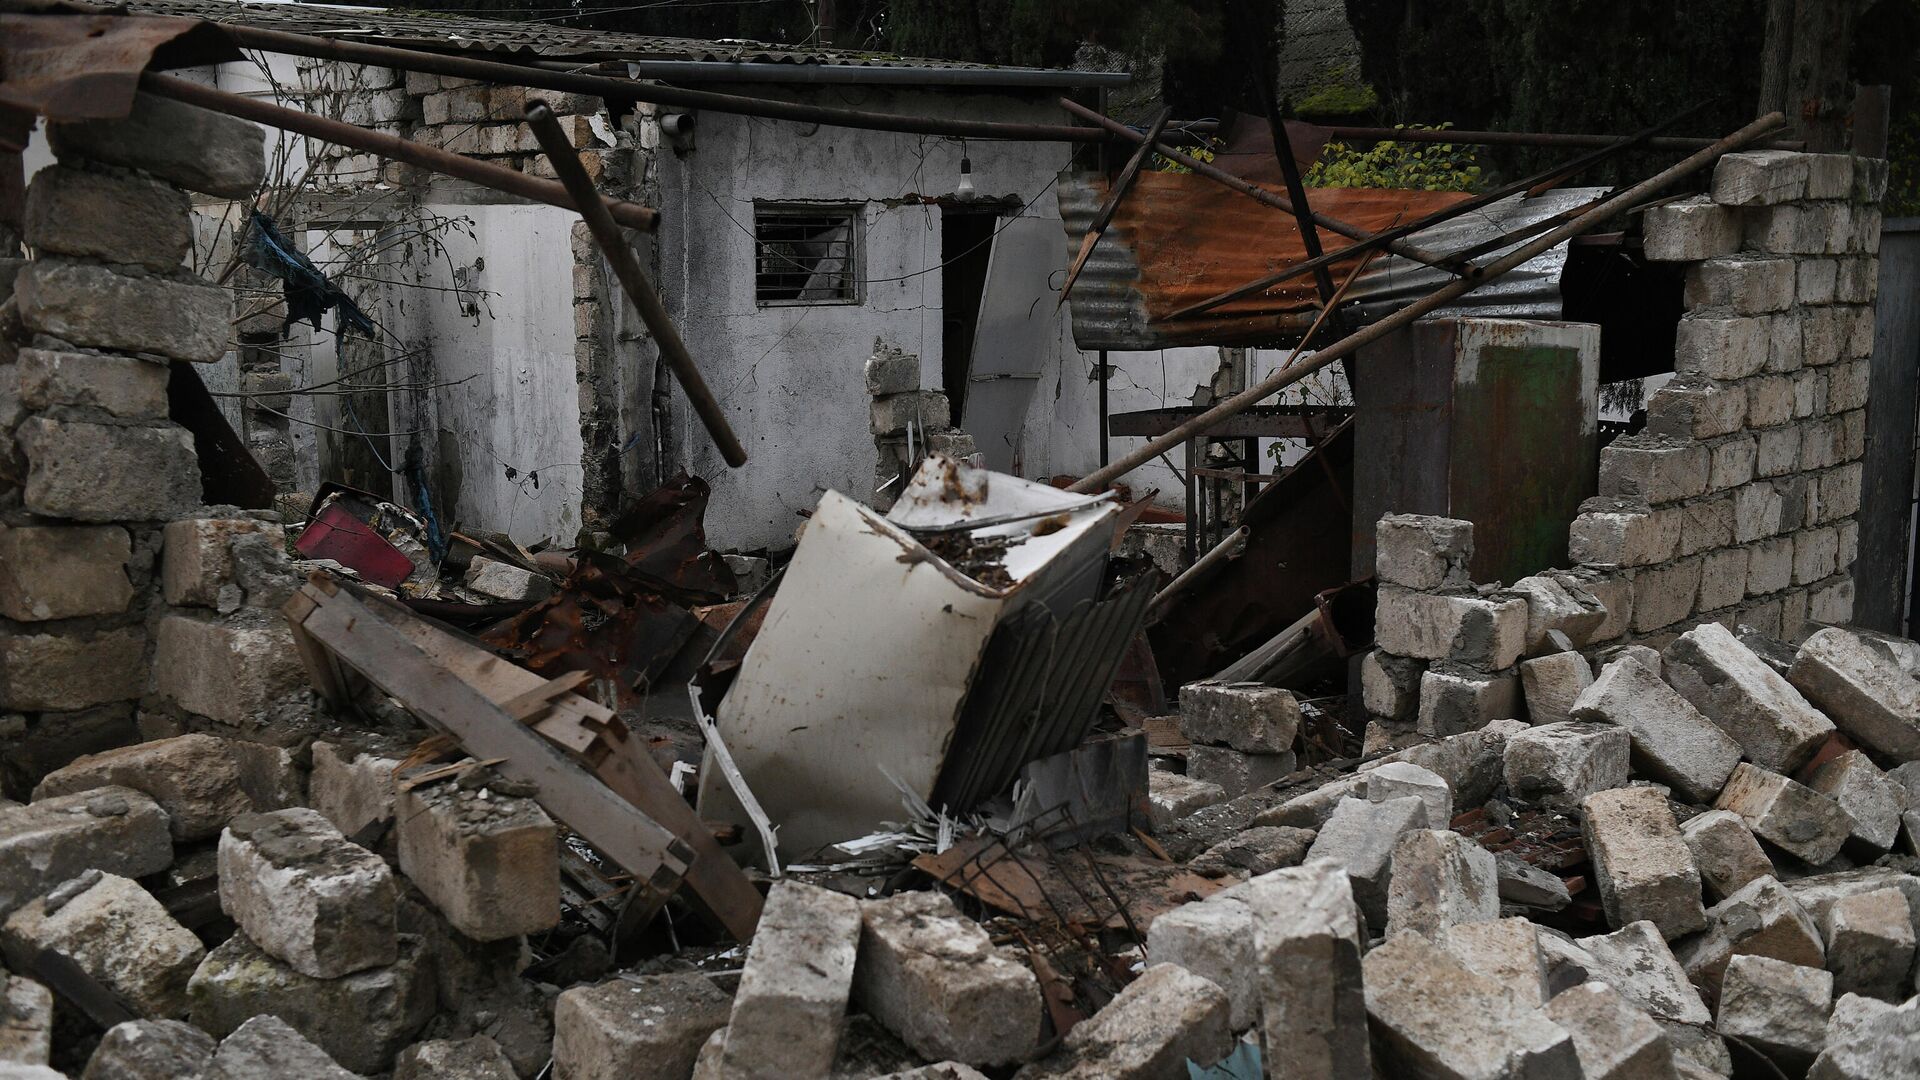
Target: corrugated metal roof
[(398, 26), (1178, 238)]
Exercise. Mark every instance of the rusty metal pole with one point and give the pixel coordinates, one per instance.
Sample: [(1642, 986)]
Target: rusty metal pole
[(566, 162), (1128, 174), (432, 158), (1439, 298)]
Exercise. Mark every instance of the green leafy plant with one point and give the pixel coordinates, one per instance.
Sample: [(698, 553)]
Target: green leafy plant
[(1418, 166)]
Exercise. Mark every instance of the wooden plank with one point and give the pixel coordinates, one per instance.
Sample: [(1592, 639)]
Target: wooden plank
[(60, 974), (433, 692), (524, 707), (723, 889)]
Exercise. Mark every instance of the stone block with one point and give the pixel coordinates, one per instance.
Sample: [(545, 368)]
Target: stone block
[(93, 307), (196, 562), (924, 409), (936, 980), (1770, 566), (1398, 779), (1455, 700), (1773, 724), (195, 779), (1636, 961), (1859, 683), (26, 1022), (1733, 462), (1152, 1028), (102, 472), (1692, 406), (269, 1046), (1671, 742), (1552, 684), (1174, 796), (63, 572), (1659, 469), (1870, 944), (1307, 941), (793, 990), (1777, 451), (1214, 939), (151, 1050), (1818, 894), (1745, 284), (1816, 280), (1724, 849), (1360, 837), (1792, 817), (1872, 802), (1433, 1017), (1419, 551), (1558, 603), (1236, 773), (1816, 554), (1614, 1038), (114, 830), (1883, 1042), (1761, 919), (1640, 862), (112, 217), (123, 386), (117, 933), (1760, 178), (362, 1020), (1758, 511), (1719, 345), (890, 371), (1705, 524), (1470, 762), (1691, 229), (1524, 884), (1390, 685), (489, 862), (306, 895), (1561, 764), (351, 788), (1666, 595), (1800, 229), (1440, 879), (476, 1058), (1777, 1007), (1250, 717), (1622, 532), (197, 149), (1769, 400), (1485, 632), (505, 582), (1857, 281), (230, 669), (1257, 850)]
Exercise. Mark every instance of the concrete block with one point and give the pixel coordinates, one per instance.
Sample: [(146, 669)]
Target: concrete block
[(117, 933), (1761, 919), (924, 409), (1214, 939), (1872, 802), (1687, 230), (1455, 700), (1253, 851), (793, 990), (1724, 849), (307, 895), (1398, 779), (505, 582), (1307, 938), (122, 386), (182, 144), (93, 307), (63, 572), (1561, 764), (102, 472), (114, 830), (1552, 684), (112, 217), (1236, 773), (1504, 950), (1870, 944), (1779, 1008), (1883, 1042), (1614, 1038), (1487, 632), (1390, 685), (1636, 961), (1720, 345), (1774, 725), (1640, 863), (1250, 717), (269, 1046), (1795, 818), (1760, 178), (1174, 796), (1692, 406), (1659, 469), (1440, 879), (1859, 683), (362, 1020), (1360, 837), (1422, 552), (1745, 284), (1152, 1028), (59, 672), (1622, 532), (26, 1022), (151, 1050), (890, 371), (1671, 742), (230, 669), (936, 980), (196, 560), (489, 862), (476, 1058), (1433, 1017), (195, 779)]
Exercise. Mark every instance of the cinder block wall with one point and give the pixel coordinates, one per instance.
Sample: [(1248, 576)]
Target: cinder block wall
[(1736, 504)]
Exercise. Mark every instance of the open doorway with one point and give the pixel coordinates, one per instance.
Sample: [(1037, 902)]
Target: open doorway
[(966, 241)]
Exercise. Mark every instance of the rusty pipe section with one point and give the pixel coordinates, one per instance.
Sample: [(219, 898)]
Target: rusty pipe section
[(445, 162), (1439, 298), (1545, 139), (633, 280)]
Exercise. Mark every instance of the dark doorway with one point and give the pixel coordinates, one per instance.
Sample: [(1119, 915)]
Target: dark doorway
[(966, 239)]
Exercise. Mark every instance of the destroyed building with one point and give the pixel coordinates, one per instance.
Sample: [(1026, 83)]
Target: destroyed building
[(1466, 727)]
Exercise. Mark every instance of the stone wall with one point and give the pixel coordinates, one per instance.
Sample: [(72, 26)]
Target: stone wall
[(1736, 503)]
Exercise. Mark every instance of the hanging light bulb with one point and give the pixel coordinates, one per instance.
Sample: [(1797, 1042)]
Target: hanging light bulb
[(964, 190)]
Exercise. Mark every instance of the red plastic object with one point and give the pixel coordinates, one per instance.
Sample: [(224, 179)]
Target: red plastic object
[(336, 534)]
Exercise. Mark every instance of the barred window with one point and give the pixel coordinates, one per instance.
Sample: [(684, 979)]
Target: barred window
[(806, 255)]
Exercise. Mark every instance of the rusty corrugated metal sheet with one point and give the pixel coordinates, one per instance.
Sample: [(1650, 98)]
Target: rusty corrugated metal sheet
[(1180, 238)]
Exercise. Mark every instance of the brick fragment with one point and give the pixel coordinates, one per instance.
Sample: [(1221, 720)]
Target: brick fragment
[(195, 778), (1791, 816), (1640, 863), (117, 933), (489, 862), (936, 980)]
